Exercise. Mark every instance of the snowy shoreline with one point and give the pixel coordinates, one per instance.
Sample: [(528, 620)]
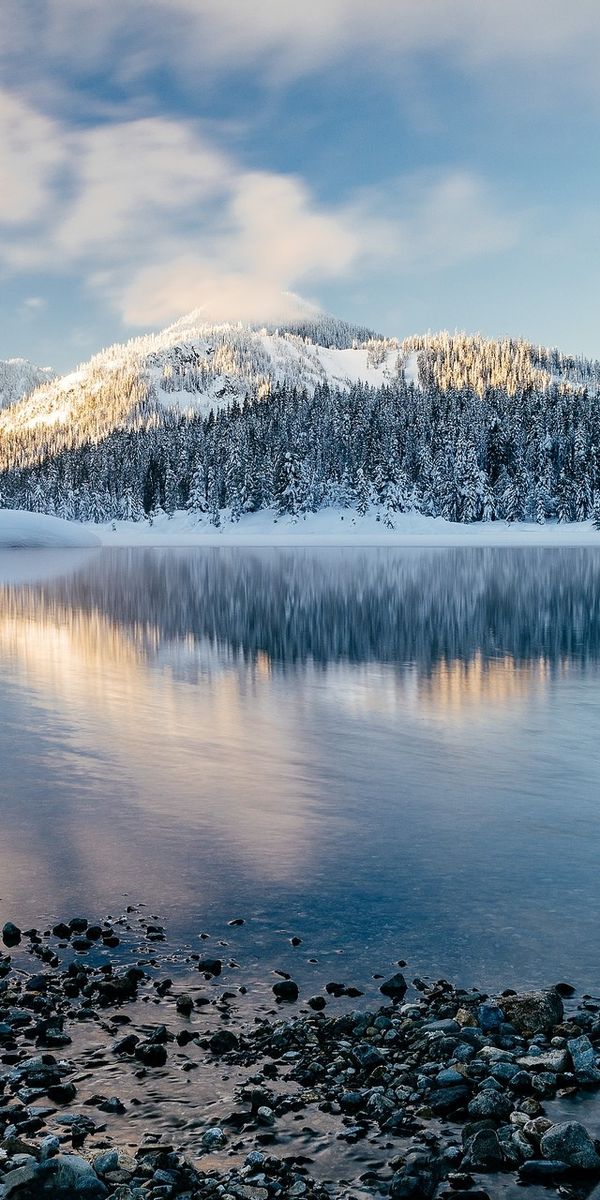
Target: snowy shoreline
[(334, 528), (342, 528)]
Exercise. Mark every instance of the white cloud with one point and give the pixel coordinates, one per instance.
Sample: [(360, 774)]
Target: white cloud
[(159, 219), (128, 175), (285, 38), (433, 221), (31, 152)]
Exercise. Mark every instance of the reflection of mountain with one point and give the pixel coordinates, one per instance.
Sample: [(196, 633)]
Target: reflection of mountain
[(425, 608), (340, 733)]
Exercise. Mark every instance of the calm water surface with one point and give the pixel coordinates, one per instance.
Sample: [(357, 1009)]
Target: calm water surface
[(392, 753)]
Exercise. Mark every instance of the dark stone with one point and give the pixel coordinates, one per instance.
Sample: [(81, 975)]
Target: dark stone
[(447, 1099), (62, 931), (78, 924), (210, 966), (11, 934), (223, 1041), (112, 1105), (286, 989), (395, 987), (126, 1045), (81, 944), (151, 1053), (318, 1003), (483, 1152), (62, 1093), (571, 1143), (541, 1169), (488, 1103), (564, 989)]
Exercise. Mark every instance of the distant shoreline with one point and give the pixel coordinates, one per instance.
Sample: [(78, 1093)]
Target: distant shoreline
[(339, 528), (333, 528)]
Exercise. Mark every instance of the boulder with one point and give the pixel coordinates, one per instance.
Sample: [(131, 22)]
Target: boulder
[(583, 1057), (533, 1012), (571, 1143), (64, 1177), (483, 1152)]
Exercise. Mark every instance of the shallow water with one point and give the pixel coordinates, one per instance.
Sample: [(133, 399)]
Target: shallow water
[(390, 753)]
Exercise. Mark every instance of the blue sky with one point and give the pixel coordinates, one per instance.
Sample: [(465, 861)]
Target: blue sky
[(409, 164)]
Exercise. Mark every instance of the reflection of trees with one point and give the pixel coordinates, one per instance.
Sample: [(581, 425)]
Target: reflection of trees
[(421, 607)]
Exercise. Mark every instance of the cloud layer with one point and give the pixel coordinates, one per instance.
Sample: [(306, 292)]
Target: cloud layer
[(288, 39), (160, 219)]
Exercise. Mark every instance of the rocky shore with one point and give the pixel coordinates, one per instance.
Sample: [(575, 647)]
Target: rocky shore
[(436, 1092)]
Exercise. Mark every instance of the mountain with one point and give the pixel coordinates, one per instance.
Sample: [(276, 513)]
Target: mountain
[(18, 378), (228, 418), (193, 367)]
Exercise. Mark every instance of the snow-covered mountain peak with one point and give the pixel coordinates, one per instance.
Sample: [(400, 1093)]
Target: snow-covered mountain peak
[(194, 366), (19, 377)]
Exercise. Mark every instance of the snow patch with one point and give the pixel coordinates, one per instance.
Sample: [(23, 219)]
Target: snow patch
[(20, 530)]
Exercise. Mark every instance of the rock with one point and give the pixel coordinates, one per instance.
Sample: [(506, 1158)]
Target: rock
[(210, 966), (571, 1143), (62, 1093), (318, 1003), (447, 1099), (265, 1115), (214, 1138), (112, 1105), (416, 1180), (286, 989), (533, 1012), (184, 1004), (223, 1041), (62, 931), (11, 934), (65, 1177), (483, 1152), (395, 988), (78, 924), (549, 1060), (540, 1170), (490, 1017), (583, 1057), (564, 989), (81, 944), (49, 1146), (151, 1054), (492, 1104), (449, 1078), (106, 1162)]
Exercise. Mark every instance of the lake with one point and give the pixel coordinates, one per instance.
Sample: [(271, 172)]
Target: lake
[(388, 753)]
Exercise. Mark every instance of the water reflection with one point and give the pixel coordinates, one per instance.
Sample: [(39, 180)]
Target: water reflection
[(369, 739)]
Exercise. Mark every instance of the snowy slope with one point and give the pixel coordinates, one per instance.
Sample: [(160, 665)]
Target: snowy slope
[(193, 366), (18, 378), (26, 530)]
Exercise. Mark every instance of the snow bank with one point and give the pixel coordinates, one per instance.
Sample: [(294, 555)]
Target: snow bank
[(21, 530), (341, 527)]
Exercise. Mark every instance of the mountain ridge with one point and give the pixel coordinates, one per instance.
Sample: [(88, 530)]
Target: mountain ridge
[(230, 418)]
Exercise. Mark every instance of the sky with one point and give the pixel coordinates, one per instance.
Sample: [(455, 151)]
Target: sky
[(407, 164)]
